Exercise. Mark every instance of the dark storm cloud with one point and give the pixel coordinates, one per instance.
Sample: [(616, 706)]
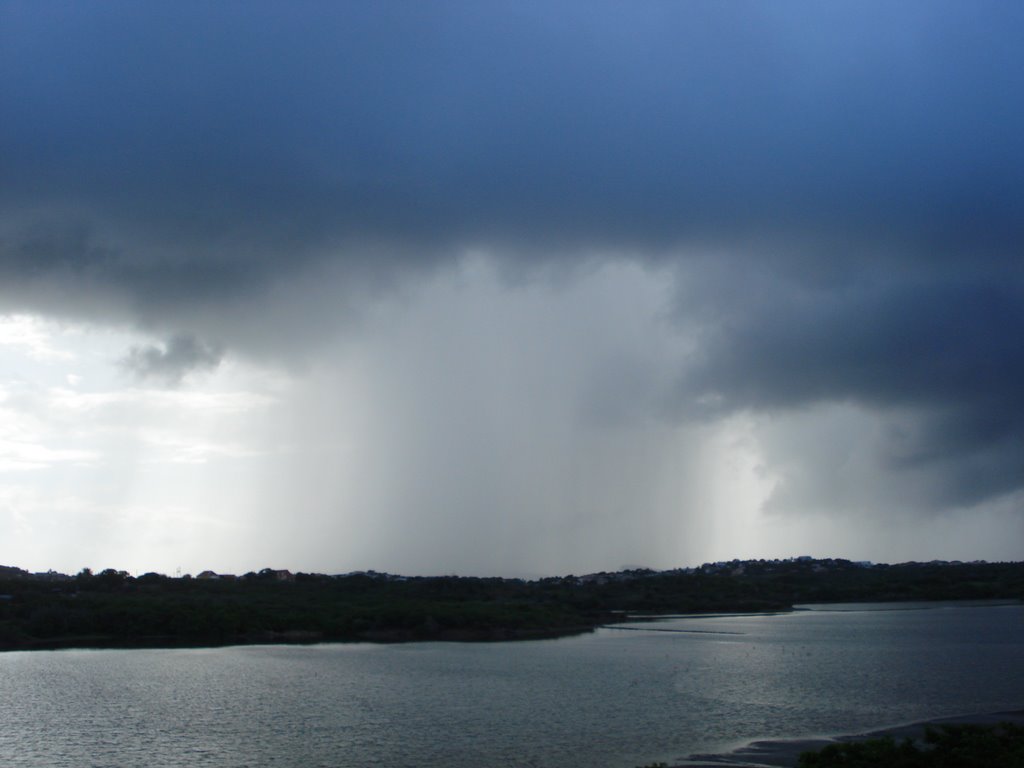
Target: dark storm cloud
[(948, 349), (854, 169), (535, 124), (69, 252), (893, 345)]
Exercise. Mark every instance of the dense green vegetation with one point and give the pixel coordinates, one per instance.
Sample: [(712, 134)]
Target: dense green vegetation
[(114, 609), (950, 746)]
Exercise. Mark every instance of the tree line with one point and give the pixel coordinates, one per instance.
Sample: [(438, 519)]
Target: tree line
[(114, 609)]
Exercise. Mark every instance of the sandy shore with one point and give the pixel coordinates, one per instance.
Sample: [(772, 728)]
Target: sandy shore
[(784, 753)]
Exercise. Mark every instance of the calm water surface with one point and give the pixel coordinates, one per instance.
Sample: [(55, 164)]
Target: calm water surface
[(612, 699)]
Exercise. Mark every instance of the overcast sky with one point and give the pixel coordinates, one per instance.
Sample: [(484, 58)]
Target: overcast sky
[(509, 288)]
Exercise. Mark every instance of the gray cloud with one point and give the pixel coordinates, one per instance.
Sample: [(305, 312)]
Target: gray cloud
[(942, 344), (169, 364), (836, 187), (524, 125), (927, 343)]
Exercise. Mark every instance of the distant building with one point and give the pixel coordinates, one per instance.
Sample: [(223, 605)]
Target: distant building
[(51, 575)]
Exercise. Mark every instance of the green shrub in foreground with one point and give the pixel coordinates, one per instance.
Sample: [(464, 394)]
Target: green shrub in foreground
[(950, 746)]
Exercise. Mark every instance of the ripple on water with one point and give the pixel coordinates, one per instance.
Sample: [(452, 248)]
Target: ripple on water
[(612, 698)]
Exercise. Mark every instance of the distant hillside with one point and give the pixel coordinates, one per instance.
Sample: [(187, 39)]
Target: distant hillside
[(114, 609)]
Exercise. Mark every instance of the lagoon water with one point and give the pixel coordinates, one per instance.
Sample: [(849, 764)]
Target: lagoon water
[(612, 699)]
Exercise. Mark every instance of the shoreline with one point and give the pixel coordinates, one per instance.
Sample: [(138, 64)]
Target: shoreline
[(296, 637), (784, 753)]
